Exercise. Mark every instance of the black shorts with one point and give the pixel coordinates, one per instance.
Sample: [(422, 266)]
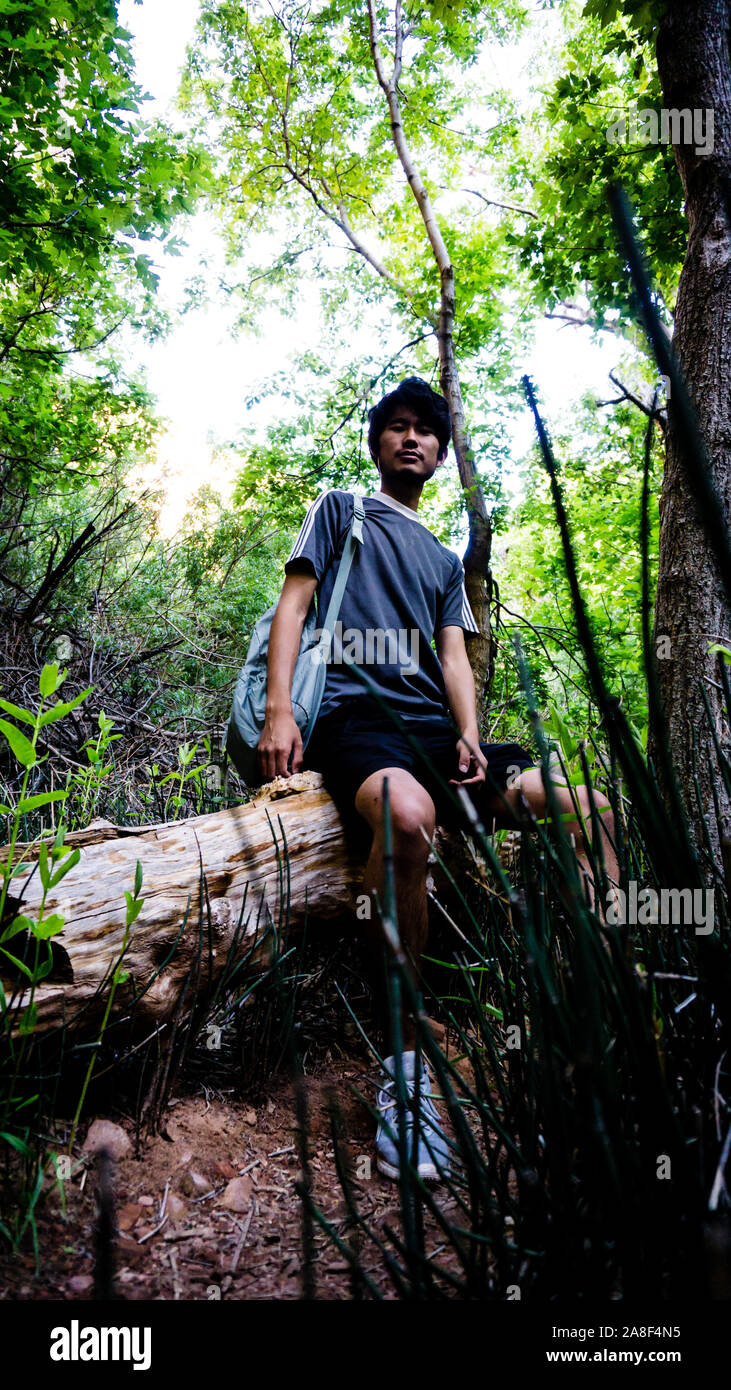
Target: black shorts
[(358, 738)]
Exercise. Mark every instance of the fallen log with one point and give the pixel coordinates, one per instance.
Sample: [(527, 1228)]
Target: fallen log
[(217, 889), (205, 881)]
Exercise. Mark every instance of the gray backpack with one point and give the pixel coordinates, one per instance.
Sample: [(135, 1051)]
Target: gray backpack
[(246, 721)]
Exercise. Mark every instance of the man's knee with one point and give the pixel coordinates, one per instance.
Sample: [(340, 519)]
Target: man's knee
[(604, 811), (530, 789), (523, 793), (411, 825), (412, 810)]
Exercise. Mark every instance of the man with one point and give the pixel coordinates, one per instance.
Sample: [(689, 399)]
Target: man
[(404, 589)]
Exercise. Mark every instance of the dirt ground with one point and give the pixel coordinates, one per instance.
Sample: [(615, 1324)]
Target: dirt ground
[(207, 1208)]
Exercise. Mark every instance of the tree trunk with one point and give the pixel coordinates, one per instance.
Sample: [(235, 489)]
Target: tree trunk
[(478, 575), (477, 568), (693, 63), (209, 873)]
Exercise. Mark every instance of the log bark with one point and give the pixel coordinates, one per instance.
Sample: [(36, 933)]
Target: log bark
[(236, 853), (212, 887), (695, 73)]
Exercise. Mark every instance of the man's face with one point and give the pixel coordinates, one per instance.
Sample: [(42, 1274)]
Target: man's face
[(408, 446)]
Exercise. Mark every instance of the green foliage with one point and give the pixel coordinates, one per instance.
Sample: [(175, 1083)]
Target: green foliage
[(83, 181), (55, 861), (601, 476), (298, 119), (184, 774), (76, 170), (83, 788), (18, 1020), (53, 866), (563, 159)]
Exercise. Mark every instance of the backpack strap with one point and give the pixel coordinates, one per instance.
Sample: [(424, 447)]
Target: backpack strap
[(354, 538)]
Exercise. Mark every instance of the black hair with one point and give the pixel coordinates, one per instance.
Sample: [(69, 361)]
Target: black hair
[(419, 397)]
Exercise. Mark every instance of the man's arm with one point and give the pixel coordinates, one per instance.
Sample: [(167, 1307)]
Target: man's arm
[(281, 737), (459, 684)]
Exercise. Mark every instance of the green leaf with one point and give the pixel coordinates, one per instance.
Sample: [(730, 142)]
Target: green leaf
[(63, 708), (18, 924), (17, 712), (15, 1142), (138, 878), (58, 840), (18, 963), (29, 1020), (558, 725), (43, 868), (134, 907), (50, 926), (722, 651), (20, 745), (31, 803), (50, 679), (12, 871), (65, 866), (47, 966)]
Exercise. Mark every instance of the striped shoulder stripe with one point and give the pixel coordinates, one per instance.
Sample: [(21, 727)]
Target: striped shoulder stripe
[(306, 527), (467, 614)]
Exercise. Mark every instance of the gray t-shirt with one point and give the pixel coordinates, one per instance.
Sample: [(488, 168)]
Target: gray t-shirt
[(403, 586)]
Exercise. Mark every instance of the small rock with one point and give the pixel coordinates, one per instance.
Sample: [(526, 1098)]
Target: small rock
[(224, 1170), (249, 1117), (237, 1196), (103, 1134), (127, 1215), (186, 1157), (175, 1208), (193, 1184), (146, 1201), (79, 1283)]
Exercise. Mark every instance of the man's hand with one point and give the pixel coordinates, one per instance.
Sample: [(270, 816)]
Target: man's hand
[(473, 764), (280, 739)]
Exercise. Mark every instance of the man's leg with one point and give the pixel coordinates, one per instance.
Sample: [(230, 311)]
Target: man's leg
[(412, 816), (529, 787), (411, 809)]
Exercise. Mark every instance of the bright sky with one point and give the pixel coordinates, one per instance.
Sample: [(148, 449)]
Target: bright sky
[(204, 375)]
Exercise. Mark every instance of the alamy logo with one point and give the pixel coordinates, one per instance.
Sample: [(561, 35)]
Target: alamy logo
[(666, 127), (376, 646), (648, 907), (77, 1343)]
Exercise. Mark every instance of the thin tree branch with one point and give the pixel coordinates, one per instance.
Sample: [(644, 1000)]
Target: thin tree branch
[(493, 203), (627, 395)]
